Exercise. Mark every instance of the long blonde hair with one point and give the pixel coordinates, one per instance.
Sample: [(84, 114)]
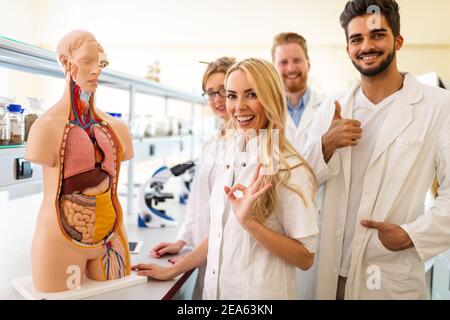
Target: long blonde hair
[(268, 87)]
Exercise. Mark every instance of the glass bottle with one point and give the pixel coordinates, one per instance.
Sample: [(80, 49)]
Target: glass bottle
[(4, 121), (32, 113), (16, 124)]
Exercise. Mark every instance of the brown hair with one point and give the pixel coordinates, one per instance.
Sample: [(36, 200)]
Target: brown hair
[(221, 65), (358, 8), (289, 37)]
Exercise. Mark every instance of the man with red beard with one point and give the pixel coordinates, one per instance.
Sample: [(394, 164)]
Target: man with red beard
[(290, 57)]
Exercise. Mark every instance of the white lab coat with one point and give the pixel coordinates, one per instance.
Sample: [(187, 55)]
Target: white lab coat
[(238, 267), (298, 137), (195, 227), (414, 144)]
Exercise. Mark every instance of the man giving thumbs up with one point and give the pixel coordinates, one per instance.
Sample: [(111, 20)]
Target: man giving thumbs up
[(342, 133)]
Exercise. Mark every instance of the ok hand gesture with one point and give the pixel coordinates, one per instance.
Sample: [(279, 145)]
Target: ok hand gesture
[(242, 206)]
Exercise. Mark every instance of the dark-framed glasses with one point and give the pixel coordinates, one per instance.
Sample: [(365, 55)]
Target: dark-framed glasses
[(211, 94)]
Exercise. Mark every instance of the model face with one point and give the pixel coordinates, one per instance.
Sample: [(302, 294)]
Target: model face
[(214, 88), (85, 69), (292, 65), (243, 104), (372, 51)]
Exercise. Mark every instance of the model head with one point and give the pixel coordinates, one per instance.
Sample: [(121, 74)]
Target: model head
[(372, 30), (82, 57), (290, 57), (213, 85)]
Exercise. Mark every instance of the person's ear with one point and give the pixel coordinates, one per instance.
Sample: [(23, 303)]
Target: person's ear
[(64, 61), (399, 42), (73, 69)]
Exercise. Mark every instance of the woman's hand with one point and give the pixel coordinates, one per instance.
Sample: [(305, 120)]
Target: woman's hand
[(175, 259), (167, 247), (155, 271), (242, 206)]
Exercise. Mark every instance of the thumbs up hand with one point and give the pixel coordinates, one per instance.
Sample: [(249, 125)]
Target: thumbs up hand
[(342, 133)]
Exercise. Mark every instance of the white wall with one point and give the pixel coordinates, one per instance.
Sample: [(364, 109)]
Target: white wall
[(135, 33), (17, 22)]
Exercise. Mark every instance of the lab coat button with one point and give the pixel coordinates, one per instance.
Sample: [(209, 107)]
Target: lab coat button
[(228, 166), (214, 272), (244, 164), (338, 233), (335, 270)]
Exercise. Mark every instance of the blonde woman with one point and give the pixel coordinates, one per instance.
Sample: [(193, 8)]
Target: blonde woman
[(262, 226), (195, 227)]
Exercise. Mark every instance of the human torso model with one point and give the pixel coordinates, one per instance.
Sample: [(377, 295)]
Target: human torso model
[(79, 230)]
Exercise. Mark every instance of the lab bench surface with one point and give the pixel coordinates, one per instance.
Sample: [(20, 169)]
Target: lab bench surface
[(152, 289), (18, 221)]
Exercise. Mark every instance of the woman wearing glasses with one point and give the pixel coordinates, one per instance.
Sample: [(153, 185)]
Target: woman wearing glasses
[(263, 218), (196, 224)]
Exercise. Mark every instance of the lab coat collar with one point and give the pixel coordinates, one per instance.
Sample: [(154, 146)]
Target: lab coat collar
[(308, 114), (400, 115)]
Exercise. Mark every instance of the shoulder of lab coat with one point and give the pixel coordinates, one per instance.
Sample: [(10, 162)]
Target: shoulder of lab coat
[(317, 98), (430, 232), (298, 214), (187, 229), (320, 125)]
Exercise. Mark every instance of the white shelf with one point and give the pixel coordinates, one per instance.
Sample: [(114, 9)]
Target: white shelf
[(159, 147), (8, 176), (27, 58)]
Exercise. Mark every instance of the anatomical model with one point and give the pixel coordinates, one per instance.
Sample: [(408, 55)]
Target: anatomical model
[(79, 230)]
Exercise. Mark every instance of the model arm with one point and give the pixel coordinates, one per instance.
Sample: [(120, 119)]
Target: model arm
[(43, 144)]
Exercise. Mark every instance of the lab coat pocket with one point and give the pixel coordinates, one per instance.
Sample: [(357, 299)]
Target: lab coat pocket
[(392, 262), (380, 244), (375, 249), (402, 157)]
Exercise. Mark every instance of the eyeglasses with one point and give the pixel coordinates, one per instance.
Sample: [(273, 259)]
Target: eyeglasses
[(211, 95)]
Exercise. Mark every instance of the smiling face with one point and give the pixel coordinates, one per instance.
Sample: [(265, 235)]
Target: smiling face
[(372, 51), (84, 66), (292, 65), (215, 83), (243, 105)]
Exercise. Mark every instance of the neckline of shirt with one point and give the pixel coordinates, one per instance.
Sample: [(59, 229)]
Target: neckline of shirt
[(386, 101)]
